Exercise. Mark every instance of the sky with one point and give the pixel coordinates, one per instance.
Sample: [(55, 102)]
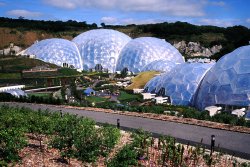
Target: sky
[(223, 13)]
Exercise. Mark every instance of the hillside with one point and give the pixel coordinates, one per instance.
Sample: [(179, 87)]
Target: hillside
[(25, 32), (17, 64), (11, 71)]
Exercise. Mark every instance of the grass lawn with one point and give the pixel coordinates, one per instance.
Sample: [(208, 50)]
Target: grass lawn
[(125, 96), (44, 95), (141, 79), (95, 99), (10, 76)]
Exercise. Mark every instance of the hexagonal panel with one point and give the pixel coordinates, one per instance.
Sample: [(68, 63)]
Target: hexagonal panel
[(100, 46), (141, 51), (182, 82), (56, 51), (229, 81)]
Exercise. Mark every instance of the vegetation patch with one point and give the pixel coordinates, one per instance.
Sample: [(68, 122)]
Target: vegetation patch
[(95, 99), (10, 76), (74, 137), (127, 97), (17, 64), (68, 72), (44, 95), (141, 79), (146, 150)]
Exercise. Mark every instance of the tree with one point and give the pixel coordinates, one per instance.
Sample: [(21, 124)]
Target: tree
[(20, 17), (103, 24), (124, 72)]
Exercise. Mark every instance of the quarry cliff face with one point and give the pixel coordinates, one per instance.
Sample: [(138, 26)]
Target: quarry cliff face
[(193, 49), (25, 38)]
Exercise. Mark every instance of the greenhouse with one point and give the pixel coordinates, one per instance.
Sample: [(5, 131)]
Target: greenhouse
[(57, 51), (151, 85), (160, 65), (101, 47), (16, 92), (140, 52), (181, 83), (227, 82)]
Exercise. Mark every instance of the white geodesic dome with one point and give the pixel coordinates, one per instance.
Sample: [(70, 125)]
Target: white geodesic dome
[(181, 83), (102, 47), (160, 65), (56, 51), (16, 92), (227, 82), (150, 87), (140, 52)]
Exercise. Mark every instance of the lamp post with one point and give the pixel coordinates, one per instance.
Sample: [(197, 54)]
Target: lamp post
[(118, 123), (212, 144), (61, 114)]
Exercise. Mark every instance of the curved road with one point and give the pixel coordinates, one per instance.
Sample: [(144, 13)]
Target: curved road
[(234, 143)]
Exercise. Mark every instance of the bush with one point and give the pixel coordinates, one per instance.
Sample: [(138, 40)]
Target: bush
[(12, 140), (126, 157)]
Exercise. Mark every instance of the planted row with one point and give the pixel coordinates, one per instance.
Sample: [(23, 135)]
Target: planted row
[(75, 137)]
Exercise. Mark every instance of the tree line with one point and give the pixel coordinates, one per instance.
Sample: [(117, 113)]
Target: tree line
[(235, 36), (51, 26)]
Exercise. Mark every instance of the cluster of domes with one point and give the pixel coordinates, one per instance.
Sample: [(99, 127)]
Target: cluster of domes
[(226, 82), (111, 49), (193, 84)]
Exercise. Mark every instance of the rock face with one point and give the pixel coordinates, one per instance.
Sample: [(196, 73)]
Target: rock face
[(194, 49)]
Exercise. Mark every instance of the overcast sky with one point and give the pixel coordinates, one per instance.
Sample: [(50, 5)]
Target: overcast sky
[(222, 13)]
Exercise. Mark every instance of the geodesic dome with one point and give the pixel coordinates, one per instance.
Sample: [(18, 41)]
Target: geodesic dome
[(159, 65), (56, 51), (228, 82), (151, 85), (181, 83), (102, 47), (140, 52)]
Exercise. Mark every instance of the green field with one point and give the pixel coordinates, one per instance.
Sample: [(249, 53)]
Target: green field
[(95, 99), (10, 76), (44, 95), (124, 96)]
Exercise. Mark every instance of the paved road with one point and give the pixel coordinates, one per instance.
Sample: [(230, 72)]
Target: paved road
[(231, 142)]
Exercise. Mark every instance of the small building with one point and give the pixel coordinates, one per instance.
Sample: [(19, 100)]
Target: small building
[(136, 91), (89, 92), (118, 72), (239, 112), (213, 110), (72, 99), (148, 96), (161, 100)]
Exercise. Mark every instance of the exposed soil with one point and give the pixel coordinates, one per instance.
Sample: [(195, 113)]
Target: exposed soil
[(34, 156)]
